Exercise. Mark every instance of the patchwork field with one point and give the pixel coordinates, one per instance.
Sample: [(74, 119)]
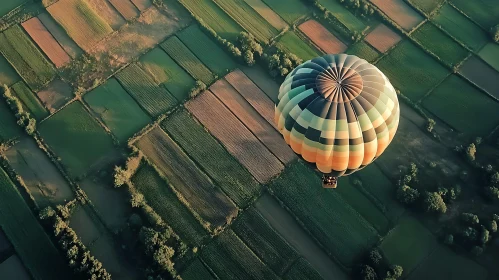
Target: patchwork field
[(427, 6), (382, 38), (69, 46), (364, 51), (106, 11), (263, 81), (294, 44), (267, 13), (490, 54), (400, 12), (55, 95), (321, 37), (126, 8), (195, 271), (343, 15), (290, 10), (484, 12), (29, 101), (481, 74), (8, 75), (8, 123), (77, 138)]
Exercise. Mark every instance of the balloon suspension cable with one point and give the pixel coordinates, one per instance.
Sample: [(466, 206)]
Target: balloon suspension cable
[(329, 182)]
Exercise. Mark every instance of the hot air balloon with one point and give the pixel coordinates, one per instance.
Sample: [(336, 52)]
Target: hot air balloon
[(339, 112)]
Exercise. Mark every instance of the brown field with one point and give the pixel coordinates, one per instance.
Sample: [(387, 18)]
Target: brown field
[(55, 95), (236, 138), (13, 268), (44, 182), (142, 4), (107, 12), (267, 13), (252, 120), (60, 35), (321, 37), (126, 8), (382, 38), (42, 37), (400, 12), (259, 76), (211, 204), (481, 74)]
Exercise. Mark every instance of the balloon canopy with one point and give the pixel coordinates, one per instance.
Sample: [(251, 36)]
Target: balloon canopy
[(339, 112)]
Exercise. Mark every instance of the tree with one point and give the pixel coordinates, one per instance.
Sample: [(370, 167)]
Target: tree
[(470, 234), (407, 195), (492, 192), (471, 152), (430, 124), (494, 179), (374, 257), (493, 226), (368, 273), (248, 57), (477, 250), (121, 176), (46, 213), (494, 32), (137, 200), (484, 235), (470, 219), (449, 239), (433, 202), (396, 271)]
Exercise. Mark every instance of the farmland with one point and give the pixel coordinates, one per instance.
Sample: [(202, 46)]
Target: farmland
[(321, 37), (343, 15), (399, 12), (485, 13), (29, 100), (294, 44), (364, 51), (482, 75), (427, 6), (9, 5), (301, 269), (264, 82), (382, 38), (55, 95), (8, 126), (290, 10), (8, 75), (490, 53), (60, 35), (125, 8), (196, 270), (108, 13), (267, 13)]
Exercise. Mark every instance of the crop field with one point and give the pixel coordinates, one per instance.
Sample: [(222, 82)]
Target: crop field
[(267, 13), (69, 46), (185, 58), (214, 17), (107, 12), (22, 68), (13, 268), (77, 138), (229, 174), (427, 6), (264, 241), (8, 123), (208, 52), (47, 43), (30, 101), (196, 271), (440, 44), (55, 95), (203, 197), (400, 12), (408, 236), (125, 8), (321, 37), (80, 21), (382, 38), (27, 236), (484, 12), (290, 10), (154, 99), (402, 66), (455, 100), (337, 226), (253, 121), (121, 114), (364, 51), (294, 44), (481, 74), (460, 27), (230, 258), (489, 53), (249, 19), (142, 4), (164, 201), (257, 75), (8, 75), (301, 269), (236, 138), (8, 5), (343, 15)]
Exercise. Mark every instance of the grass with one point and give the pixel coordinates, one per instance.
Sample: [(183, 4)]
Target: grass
[(364, 51), (249, 19), (343, 15), (9, 5), (463, 106), (119, 112), (30, 101), (27, 236), (224, 169), (289, 10), (206, 50), (335, 224), (9, 129), (294, 44), (8, 75), (213, 16), (408, 236), (154, 99), (230, 258), (460, 27), (484, 12), (490, 53), (77, 138), (167, 72), (301, 269), (164, 201), (427, 6), (185, 58), (196, 271), (403, 67), (264, 241), (440, 44)]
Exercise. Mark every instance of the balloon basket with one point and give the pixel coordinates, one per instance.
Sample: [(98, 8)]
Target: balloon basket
[(329, 182)]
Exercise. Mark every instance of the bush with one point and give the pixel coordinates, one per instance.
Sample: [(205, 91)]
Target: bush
[(495, 217), (449, 239), (280, 63), (494, 33), (374, 257), (492, 193), (493, 226), (367, 273), (407, 195), (471, 152), (433, 202), (396, 271), (197, 89), (252, 49), (430, 124), (484, 235), (470, 219), (470, 234), (155, 244)]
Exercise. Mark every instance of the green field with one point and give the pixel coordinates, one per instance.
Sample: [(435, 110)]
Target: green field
[(294, 44), (9, 128), (343, 15), (455, 100), (264, 241), (300, 270), (30, 101), (166, 71), (8, 75), (408, 244), (27, 236), (119, 112), (196, 271), (289, 10), (460, 27), (154, 99), (440, 44), (230, 258), (337, 226), (9, 5), (427, 6), (403, 67), (363, 50), (185, 58), (164, 201), (249, 19), (214, 17), (77, 138), (215, 58), (484, 12), (490, 53)]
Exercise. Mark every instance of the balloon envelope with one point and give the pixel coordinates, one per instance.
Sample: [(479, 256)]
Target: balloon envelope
[(338, 112)]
